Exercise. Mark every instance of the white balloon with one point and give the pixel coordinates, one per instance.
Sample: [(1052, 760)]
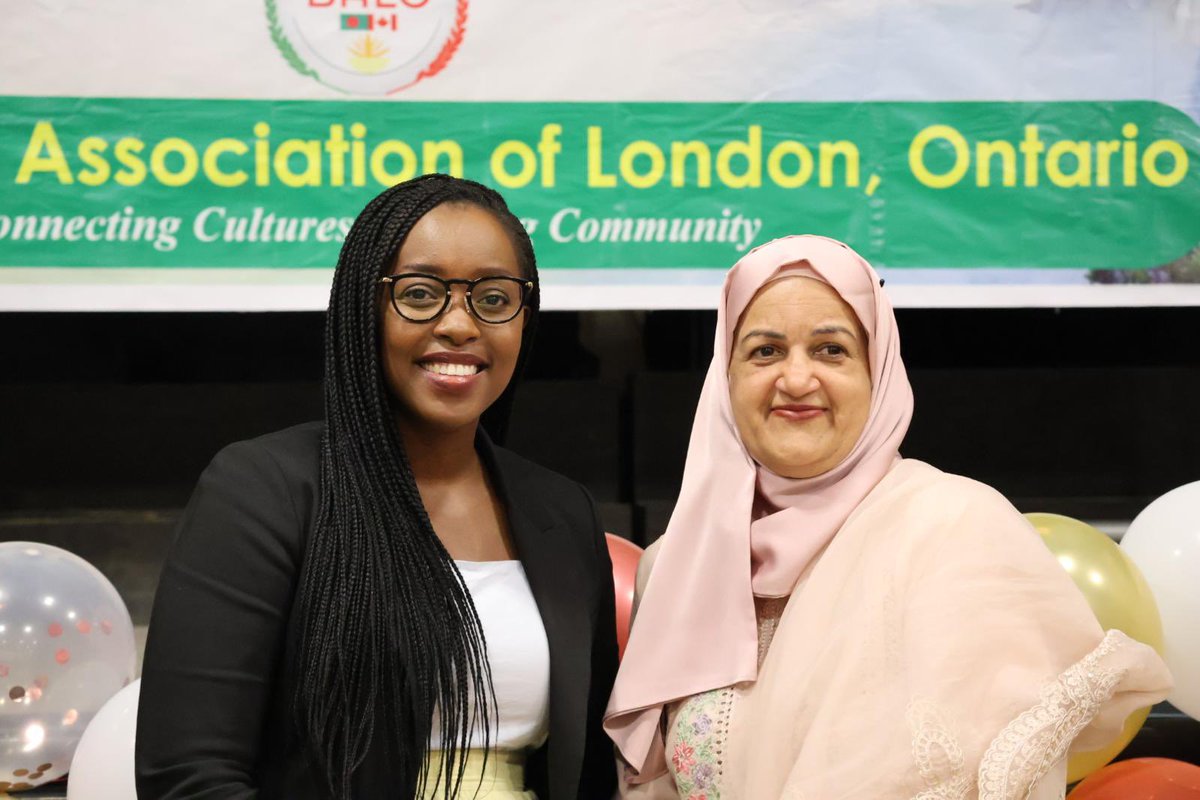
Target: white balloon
[(103, 765), (66, 647), (1164, 542)]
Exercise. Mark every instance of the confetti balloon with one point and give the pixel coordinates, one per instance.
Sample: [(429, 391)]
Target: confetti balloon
[(66, 647)]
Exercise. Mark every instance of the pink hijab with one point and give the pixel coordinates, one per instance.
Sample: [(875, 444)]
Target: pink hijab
[(696, 628)]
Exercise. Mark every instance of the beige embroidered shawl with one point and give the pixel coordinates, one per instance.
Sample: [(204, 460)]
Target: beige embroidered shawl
[(934, 651)]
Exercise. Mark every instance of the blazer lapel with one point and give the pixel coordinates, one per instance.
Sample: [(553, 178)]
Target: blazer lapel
[(550, 554)]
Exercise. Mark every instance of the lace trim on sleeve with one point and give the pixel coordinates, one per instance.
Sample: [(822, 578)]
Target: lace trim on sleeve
[(1026, 749), (1038, 738)]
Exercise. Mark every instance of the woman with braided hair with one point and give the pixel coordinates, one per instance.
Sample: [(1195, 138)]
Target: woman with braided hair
[(385, 603)]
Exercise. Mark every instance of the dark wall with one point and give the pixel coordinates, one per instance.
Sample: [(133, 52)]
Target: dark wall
[(1089, 412)]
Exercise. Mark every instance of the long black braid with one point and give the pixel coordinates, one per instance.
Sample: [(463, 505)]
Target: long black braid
[(388, 631)]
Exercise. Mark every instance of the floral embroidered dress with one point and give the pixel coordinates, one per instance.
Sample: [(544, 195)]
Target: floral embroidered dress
[(698, 726)]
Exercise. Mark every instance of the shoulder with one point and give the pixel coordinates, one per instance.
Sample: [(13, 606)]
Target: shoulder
[(240, 541), (939, 510), (283, 463), (555, 493), (295, 452), (266, 486), (915, 487)]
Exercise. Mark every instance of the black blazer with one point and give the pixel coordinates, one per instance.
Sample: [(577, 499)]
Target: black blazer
[(214, 718)]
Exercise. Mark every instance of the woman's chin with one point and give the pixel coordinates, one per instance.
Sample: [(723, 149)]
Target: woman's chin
[(799, 466), (440, 419)]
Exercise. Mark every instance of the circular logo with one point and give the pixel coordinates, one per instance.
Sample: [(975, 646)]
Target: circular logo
[(371, 47)]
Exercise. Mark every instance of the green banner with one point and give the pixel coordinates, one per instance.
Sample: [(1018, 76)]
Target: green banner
[(254, 183)]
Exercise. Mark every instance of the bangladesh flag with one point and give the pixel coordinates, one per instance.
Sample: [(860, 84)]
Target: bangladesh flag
[(356, 22)]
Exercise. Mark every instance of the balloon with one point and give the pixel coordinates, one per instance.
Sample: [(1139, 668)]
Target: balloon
[(625, 555), (1119, 597), (66, 647), (1142, 779), (1164, 541), (103, 765), (1081, 765), (1114, 587)]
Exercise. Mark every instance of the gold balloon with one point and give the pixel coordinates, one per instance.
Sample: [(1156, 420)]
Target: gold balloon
[(1120, 599), (1080, 765)]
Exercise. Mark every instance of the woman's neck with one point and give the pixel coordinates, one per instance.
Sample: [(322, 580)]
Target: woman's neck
[(467, 515), (439, 455)]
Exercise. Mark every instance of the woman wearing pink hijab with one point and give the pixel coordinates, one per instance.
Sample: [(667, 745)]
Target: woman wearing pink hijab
[(828, 621)]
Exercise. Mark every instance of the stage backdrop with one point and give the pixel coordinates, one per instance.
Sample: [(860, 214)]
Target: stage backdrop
[(184, 155)]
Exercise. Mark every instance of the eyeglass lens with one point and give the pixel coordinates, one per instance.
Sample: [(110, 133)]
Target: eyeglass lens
[(421, 298)]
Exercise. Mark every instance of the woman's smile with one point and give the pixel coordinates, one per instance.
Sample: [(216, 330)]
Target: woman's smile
[(798, 412), (452, 372)]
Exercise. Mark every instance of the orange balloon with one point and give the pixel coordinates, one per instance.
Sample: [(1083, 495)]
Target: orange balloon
[(1141, 779), (625, 555)]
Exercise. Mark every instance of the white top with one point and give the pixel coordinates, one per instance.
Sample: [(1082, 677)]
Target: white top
[(517, 650)]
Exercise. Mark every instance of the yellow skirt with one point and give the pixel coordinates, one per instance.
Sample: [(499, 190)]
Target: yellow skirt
[(503, 779)]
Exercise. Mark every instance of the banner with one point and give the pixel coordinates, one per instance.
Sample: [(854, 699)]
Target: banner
[(234, 189)]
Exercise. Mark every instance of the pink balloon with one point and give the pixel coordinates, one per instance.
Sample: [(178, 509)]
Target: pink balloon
[(625, 555)]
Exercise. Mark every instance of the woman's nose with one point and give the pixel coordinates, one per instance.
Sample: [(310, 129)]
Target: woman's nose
[(457, 324), (797, 377)]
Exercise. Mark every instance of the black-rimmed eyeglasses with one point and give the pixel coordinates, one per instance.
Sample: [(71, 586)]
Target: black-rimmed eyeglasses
[(423, 298)]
